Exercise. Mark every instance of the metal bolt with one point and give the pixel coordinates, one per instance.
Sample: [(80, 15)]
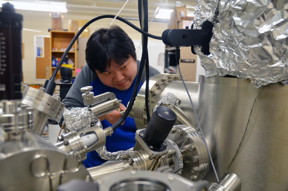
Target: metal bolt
[(193, 177), (179, 131), (130, 161), (193, 147), (195, 159), (60, 138), (195, 169), (173, 130), (66, 142)]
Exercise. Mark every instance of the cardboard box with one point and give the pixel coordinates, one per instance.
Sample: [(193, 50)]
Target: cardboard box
[(86, 32), (180, 12), (183, 24), (186, 53), (188, 62), (73, 26), (56, 21), (179, 19), (188, 70)]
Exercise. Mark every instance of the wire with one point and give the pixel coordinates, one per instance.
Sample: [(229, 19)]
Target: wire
[(119, 12), (143, 62), (134, 93), (196, 117), (143, 18)]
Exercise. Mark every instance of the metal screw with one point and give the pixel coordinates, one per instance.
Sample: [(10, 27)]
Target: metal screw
[(195, 159)]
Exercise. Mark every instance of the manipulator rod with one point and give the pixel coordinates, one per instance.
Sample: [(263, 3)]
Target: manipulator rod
[(101, 104)]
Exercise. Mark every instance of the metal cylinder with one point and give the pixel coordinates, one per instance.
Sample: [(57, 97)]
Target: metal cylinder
[(231, 182), (45, 106), (241, 123), (109, 168), (15, 119), (159, 127)]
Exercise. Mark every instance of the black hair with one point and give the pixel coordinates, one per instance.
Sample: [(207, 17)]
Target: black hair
[(105, 45)]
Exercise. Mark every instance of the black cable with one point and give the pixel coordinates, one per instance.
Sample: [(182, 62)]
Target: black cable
[(145, 46), (50, 85), (140, 13), (143, 18), (143, 62), (134, 93)]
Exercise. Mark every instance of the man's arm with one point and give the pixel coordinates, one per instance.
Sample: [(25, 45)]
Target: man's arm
[(74, 95), (153, 71)]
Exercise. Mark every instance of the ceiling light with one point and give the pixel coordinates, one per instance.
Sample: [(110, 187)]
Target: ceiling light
[(47, 6), (163, 13)]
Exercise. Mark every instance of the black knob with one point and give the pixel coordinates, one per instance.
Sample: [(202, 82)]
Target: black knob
[(159, 127)]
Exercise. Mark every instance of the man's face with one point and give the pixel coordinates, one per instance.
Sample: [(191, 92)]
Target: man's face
[(119, 76)]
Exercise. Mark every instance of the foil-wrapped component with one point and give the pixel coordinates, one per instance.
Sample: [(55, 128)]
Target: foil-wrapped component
[(112, 156), (250, 39), (78, 118)]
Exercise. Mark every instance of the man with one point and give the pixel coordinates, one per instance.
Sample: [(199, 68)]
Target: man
[(111, 67)]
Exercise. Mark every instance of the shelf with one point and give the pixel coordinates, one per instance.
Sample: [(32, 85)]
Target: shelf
[(60, 51), (53, 68), (59, 41)]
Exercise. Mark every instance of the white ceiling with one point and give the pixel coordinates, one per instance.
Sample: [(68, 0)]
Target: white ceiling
[(100, 7), (113, 6)]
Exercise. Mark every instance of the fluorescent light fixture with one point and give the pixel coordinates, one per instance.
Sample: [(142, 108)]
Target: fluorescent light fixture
[(31, 30), (163, 13), (47, 6)]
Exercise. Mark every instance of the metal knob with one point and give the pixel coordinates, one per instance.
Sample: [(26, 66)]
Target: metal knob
[(86, 89)]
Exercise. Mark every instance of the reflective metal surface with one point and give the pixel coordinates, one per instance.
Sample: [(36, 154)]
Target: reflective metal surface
[(45, 106), (245, 127), (193, 150), (32, 163), (147, 181), (230, 182), (27, 161), (160, 86)]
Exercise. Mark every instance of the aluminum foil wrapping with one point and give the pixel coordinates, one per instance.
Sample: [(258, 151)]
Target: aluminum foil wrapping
[(168, 100), (78, 118), (250, 39), (112, 156)]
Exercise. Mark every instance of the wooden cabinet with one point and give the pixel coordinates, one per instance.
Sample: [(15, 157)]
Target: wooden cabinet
[(43, 63), (59, 41)]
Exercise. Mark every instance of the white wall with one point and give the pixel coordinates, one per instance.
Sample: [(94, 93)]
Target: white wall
[(156, 50)]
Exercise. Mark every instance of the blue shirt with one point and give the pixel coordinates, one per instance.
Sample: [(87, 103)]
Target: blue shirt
[(123, 137)]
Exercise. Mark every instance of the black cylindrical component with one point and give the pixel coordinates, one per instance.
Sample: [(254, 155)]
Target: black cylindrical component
[(159, 127), (10, 53)]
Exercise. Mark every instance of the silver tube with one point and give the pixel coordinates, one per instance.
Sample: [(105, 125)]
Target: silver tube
[(104, 108), (108, 168), (182, 117), (231, 182), (40, 120)]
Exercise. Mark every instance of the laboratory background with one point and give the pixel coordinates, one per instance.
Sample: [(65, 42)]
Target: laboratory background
[(213, 118)]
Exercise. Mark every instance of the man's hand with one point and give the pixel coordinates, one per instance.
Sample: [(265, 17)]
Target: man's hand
[(115, 115)]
